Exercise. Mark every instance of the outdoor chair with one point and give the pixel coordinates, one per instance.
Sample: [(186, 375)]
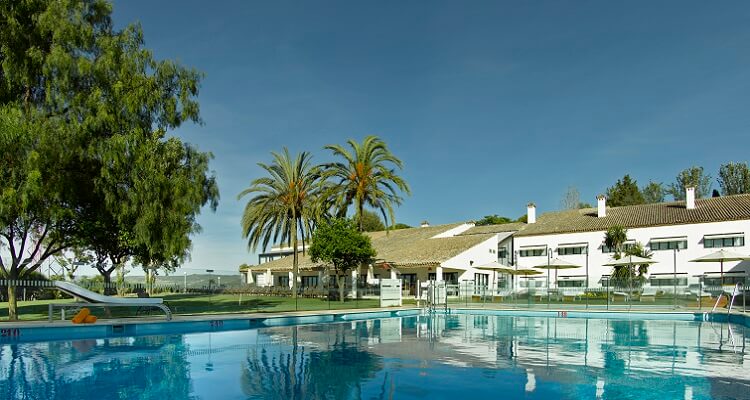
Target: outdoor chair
[(649, 292), (573, 294)]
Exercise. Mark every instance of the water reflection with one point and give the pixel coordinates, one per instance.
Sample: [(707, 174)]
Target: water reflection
[(327, 364), (452, 356), (141, 367)]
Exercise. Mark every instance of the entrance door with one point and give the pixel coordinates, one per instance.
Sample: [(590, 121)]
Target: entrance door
[(480, 283)]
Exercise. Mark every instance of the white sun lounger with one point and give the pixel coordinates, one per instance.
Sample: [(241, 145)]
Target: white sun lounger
[(93, 298)]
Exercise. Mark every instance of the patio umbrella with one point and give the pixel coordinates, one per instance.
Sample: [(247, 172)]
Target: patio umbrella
[(629, 261), (526, 272), (556, 263), (721, 256), (496, 267)]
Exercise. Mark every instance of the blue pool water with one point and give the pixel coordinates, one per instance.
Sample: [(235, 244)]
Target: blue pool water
[(440, 357)]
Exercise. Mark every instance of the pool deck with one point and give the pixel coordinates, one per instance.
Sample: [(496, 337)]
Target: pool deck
[(655, 310), (197, 318)]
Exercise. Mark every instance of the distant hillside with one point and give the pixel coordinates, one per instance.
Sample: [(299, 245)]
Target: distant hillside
[(193, 281)]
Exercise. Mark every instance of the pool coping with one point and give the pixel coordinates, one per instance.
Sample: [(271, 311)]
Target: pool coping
[(199, 317), (36, 331), (303, 313)]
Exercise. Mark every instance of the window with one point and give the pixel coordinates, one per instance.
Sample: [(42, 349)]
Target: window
[(570, 283), (533, 252), (664, 281), (663, 244), (625, 247), (309, 281), (569, 250), (728, 280), (714, 241), (502, 252), (284, 281)]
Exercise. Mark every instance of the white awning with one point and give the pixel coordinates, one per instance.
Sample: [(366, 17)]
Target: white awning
[(668, 239), (533, 247), (666, 274), (724, 236), (572, 278), (571, 245), (726, 273)]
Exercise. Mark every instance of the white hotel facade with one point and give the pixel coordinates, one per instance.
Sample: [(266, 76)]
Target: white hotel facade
[(675, 232)]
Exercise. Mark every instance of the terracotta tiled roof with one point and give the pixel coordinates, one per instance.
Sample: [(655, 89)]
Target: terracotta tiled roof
[(715, 209), (405, 247)]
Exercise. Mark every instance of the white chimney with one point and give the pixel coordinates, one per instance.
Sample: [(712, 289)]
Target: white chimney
[(690, 197), (601, 206), (424, 224), (531, 213)]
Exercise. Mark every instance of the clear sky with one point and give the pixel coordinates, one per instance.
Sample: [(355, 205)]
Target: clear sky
[(490, 105)]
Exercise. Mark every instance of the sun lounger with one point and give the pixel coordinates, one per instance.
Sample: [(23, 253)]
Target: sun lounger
[(93, 298), (649, 292), (625, 296), (573, 293)]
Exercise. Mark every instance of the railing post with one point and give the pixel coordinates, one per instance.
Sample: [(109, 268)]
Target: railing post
[(607, 293)]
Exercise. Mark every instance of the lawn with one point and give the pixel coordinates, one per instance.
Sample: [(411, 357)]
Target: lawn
[(191, 304)]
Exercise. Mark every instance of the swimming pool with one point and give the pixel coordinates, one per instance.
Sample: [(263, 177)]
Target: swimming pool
[(462, 355)]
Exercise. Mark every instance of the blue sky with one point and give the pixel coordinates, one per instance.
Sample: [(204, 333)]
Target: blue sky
[(489, 104)]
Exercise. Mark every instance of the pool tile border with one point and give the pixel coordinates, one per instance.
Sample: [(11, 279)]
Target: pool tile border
[(34, 332)]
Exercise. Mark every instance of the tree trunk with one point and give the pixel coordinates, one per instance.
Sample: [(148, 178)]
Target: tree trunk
[(295, 258), (360, 211), (12, 304), (342, 286), (108, 290)]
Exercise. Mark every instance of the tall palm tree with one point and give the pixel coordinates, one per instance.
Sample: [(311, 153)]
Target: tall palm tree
[(285, 205), (367, 176)]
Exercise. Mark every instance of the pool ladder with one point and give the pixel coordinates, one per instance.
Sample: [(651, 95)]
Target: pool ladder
[(735, 292)]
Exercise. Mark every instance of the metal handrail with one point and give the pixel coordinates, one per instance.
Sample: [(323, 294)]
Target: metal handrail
[(735, 292), (718, 299)]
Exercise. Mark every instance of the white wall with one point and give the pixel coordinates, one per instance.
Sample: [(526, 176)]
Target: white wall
[(695, 249), (481, 254), (454, 231)]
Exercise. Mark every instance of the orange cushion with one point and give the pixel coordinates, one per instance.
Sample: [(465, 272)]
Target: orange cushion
[(90, 319), (81, 316)]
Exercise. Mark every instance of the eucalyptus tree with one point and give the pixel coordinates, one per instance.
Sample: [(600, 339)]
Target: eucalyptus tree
[(734, 178), (691, 177), (366, 176), (34, 220), (285, 205), (85, 114)]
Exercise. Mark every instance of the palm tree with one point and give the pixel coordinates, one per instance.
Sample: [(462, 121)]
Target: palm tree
[(283, 204), (615, 239), (366, 177), (624, 274), (639, 250)]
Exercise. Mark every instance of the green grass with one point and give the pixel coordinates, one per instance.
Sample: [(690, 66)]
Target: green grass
[(191, 304)]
